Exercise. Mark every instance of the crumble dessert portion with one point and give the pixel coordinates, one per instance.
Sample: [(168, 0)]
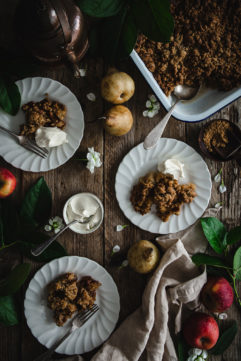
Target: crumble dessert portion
[(46, 113), (66, 295), (165, 192), (61, 294), (141, 194), (87, 292), (204, 48)]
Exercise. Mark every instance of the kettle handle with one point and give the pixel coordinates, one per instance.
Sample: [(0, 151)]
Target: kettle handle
[(65, 25), (63, 19)]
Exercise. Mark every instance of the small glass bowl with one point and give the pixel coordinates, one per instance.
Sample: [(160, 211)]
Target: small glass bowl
[(73, 226), (215, 156)]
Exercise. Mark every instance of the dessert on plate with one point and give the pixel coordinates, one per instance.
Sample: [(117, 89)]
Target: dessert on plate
[(45, 121), (66, 295), (162, 190)]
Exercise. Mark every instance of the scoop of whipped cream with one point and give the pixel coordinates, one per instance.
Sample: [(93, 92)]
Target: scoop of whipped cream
[(172, 166), (81, 207), (50, 137)]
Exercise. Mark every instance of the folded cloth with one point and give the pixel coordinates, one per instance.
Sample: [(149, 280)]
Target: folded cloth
[(148, 333)]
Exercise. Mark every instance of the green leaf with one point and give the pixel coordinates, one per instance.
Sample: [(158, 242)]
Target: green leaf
[(234, 235), (1, 232), (128, 37), (55, 250), (37, 204), (202, 258), (15, 279), (8, 313), (153, 18), (225, 339), (237, 264), (100, 8), (214, 231), (10, 221), (182, 348), (115, 37), (10, 97)]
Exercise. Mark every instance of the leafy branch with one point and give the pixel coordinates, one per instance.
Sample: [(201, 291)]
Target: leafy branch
[(114, 34), (20, 229), (220, 240)]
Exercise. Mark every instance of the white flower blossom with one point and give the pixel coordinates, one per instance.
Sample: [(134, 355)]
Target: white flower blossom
[(217, 178), (116, 249), (152, 106), (152, 98), (191, 358), (148, 104), (124, 264), (222, 188), (93, 160), (218, 205), (120, 227), (145, 113), (204, 354), (82, 72), (55, 224), (196, 354), (222, 316), (47, 228), (91, 97)]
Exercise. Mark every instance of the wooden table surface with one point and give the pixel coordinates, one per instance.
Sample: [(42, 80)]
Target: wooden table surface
[(17, 342)]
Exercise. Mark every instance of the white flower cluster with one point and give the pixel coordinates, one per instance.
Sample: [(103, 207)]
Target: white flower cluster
[(152, 106), (55, 224), (195, 354), (93, 160)]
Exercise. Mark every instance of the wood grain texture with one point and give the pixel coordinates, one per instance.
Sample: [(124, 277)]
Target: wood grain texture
[(17, 343)]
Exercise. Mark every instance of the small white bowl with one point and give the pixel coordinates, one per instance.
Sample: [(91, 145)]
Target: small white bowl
[(73, 226)]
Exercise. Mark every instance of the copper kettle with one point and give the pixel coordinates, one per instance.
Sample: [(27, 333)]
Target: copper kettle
[(53, 31)]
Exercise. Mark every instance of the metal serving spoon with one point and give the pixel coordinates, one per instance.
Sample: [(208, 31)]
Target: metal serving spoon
[(37, 250), (181, 92)]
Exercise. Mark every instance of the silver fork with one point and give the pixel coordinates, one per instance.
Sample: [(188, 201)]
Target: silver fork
[(37, 250), (27, 143), (79, 320)]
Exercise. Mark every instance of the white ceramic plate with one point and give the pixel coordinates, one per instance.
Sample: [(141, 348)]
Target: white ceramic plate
[(139, 162), (206, 102), (35, 89), (40, 318)]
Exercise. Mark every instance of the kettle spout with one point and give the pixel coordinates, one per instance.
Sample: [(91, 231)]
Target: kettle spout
[(71, 57)]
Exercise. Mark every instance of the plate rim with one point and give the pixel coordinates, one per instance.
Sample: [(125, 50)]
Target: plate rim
[(79, 141), (59, 259), (209, 189)]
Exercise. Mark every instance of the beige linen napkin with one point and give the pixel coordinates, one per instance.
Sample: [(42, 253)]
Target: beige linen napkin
[(148, 333)]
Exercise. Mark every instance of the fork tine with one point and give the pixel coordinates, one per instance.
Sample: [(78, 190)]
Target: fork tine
[(88, 312), (90, 315), (37, 148), (40, 148), (27, 146)]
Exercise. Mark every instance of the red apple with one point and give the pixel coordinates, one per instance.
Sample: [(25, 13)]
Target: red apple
[(201, 330), (7, 182), (217, 294)]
